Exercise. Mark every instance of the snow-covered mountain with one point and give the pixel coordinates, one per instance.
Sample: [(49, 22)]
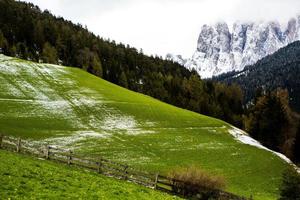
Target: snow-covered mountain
[(220, 50)]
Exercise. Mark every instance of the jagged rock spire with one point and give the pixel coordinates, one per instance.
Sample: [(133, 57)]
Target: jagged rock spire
[(220, 50)]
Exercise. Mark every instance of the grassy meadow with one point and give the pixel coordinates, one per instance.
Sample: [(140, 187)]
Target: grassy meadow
[(70, 108), (30, 178)]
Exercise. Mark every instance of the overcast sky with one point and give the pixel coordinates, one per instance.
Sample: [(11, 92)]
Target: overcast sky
[(164, 26)]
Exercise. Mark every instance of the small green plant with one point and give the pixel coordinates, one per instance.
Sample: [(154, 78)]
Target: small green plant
[(192, 181), (290, 188)]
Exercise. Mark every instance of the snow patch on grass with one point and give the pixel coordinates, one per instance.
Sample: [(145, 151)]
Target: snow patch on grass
[(209, 145), (52, 70), (150, 124), (67, 141), (8, 89), (30, 89), (55, 105), (209, 128), (139, 131), (126, 124), (113, 122), (8, 69), (84, 101), (243, 137)]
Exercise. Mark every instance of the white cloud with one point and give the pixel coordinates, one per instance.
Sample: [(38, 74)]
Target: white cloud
[(162, 26)]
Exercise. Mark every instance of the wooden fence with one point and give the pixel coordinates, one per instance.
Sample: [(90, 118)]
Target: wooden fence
[(100, 165)]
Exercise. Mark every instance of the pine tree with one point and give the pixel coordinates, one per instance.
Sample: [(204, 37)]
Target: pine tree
[(3, 43), (270, 119), (83, 58), (49, 54), (22, 51), (13, 50), (96, 66), (39, 37), (123, 80), (297, 146)]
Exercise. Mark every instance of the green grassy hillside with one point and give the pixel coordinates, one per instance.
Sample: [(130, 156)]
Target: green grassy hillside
[(28, 178), (73, 109)]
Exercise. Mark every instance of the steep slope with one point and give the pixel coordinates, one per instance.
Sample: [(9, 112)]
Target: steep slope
[(70, 108), (23, 177), (220, 50), (282, 69), (29, 33)]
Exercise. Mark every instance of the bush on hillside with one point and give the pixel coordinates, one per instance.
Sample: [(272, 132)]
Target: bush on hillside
[(290, 188), (192, 181)]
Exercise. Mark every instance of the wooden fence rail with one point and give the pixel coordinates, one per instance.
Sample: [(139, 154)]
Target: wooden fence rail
[(100, 165)]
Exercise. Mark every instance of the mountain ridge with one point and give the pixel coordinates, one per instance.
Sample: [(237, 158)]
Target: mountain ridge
[(280, 69), (221, 50)]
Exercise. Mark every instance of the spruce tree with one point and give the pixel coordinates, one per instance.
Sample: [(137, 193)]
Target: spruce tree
[(123, 80), (297, 146), (96, 66), (3, 43), (49, 54)]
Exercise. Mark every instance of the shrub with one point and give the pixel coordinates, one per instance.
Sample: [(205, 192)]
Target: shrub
[(192, 181), (290, 187)]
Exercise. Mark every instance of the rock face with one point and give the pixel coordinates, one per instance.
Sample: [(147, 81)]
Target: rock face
[(220, 50)]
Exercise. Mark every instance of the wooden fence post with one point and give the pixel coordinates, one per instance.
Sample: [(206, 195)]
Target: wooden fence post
[(99, 164), (70, 157), (18, 145), (47, 151), (125, 172), (156, 180), (1, 139)]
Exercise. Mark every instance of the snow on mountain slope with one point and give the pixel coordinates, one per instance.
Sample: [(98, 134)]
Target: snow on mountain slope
[(243, 137), (220, 50)]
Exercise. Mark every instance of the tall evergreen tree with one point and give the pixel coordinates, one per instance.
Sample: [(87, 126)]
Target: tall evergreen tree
[(49, 54), (96, 66), (297, 146), (269, 120), (123, 80), (3, 43)]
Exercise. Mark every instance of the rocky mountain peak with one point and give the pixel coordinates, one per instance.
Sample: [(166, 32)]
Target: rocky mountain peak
[(220, 50)]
